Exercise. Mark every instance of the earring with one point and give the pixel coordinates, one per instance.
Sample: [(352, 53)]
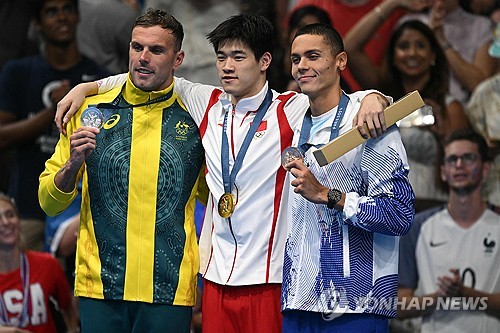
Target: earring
[(433, 62)]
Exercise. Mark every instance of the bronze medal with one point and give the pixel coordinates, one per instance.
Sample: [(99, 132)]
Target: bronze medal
[(226, 205)]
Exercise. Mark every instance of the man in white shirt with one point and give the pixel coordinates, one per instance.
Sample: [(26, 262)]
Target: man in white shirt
[(449, 260)]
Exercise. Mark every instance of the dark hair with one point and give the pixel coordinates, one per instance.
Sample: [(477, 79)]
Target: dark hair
[(330, 35), (469, 135), (294, 21), (156, 17), (437, 86), (255, 31), (41, 3)]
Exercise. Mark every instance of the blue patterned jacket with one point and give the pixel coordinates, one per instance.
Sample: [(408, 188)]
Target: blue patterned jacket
[(347, 262)]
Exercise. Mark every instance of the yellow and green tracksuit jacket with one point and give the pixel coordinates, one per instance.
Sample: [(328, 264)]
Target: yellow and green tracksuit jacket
[(137, 238)]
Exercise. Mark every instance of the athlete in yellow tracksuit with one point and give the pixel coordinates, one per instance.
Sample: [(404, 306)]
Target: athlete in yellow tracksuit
[(137, 239)]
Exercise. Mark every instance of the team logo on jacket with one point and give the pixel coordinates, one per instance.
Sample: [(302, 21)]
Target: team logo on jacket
[(489, 245), (261, 130), (181, 128), (112, 121)]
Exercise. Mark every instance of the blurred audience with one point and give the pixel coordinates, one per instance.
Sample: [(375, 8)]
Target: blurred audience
[(414, 61), (30, 88), (15, 18), (449, 260), (483, 110), (488, 8), (104, 31), (465, 39), (344, 14)]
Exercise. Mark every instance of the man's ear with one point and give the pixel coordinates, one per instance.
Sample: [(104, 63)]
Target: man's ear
[(265, 61), (442, 174), (342, 60), (178, 59)]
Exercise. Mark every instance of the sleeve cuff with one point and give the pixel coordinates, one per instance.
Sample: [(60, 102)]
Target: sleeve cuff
[(60, 200), (350, 206)]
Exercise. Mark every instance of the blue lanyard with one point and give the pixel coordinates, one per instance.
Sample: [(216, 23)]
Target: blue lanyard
[(305, 131), (229, 179)]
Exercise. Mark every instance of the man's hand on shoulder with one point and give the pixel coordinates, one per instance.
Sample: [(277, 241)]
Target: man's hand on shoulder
[(68, 106), (371, 112)]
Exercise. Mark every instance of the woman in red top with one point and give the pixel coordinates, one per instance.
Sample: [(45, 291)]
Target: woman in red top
[(27, 280)]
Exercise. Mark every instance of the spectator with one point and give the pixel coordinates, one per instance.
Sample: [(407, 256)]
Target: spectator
[(344, 14), (29, 281), (488, 8), (414, 61), (104, 32), (483, 110), (29, 91), (15, 18), (465, 39), (450, 255)]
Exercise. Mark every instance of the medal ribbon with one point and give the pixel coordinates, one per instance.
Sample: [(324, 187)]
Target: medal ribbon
[(229, 179), (25, 279), (305, 131)]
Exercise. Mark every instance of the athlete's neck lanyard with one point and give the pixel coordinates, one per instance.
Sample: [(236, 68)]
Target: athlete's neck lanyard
[(22, 317), (305, 131), (116, 102), (229, 179)]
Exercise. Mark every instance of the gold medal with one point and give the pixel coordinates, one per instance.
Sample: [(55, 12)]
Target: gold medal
[(226, 205)]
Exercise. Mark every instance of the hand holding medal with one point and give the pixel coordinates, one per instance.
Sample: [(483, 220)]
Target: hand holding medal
[(92, 117), (290, 154)]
